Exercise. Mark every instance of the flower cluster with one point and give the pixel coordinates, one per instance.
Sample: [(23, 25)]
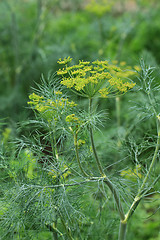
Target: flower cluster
[(90, 78), (72, 118), (50, 108), (65, 60), (74, 123), (81, 142)]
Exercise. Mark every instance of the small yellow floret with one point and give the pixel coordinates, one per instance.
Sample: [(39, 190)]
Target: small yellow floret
[(65, 60), (72, 118), (81, 142), (58, 92), (158, 116), (104, 92)]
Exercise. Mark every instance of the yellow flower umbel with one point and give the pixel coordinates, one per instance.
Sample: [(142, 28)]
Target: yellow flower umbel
[(98, 77), (50, 109)]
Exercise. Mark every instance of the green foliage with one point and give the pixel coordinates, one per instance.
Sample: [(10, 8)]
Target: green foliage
[(45, 192), (56, 182), (88, 79)]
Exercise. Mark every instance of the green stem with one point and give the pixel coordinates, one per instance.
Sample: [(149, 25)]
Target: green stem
[(116, 197), (55, 148), (52, 146), (122, 231), (132, 209), (95, 153), (118, 111), (118, 120), (68, 231), (106, 179), (55, 156), (55, 233), (92, 143), (53, 230), (77, 155)]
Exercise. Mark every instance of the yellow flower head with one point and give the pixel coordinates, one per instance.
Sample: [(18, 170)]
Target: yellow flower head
[(50, 108), (81, 142), (64, 61), (97, 77), (72, 119)]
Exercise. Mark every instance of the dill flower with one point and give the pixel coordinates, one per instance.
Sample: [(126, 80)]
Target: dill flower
[(97, 78), (50, 109), (81, 142), (72, 118), (65, 60), (104, 92)]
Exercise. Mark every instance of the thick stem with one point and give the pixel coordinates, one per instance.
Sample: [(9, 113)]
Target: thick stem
[(55, 235), (106, 179), (132, 208), (122, 231), (54, 231)]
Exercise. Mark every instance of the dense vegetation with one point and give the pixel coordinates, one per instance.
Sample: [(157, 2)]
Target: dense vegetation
[(79, 119)]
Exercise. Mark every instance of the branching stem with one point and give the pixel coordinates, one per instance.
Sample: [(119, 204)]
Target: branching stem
[(116, 197), (122, 231), (106, 179)]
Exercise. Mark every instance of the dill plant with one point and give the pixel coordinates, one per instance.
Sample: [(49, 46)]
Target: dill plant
[(60, 158)]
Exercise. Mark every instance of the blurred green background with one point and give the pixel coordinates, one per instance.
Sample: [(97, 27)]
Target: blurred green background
[(34, 34)]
